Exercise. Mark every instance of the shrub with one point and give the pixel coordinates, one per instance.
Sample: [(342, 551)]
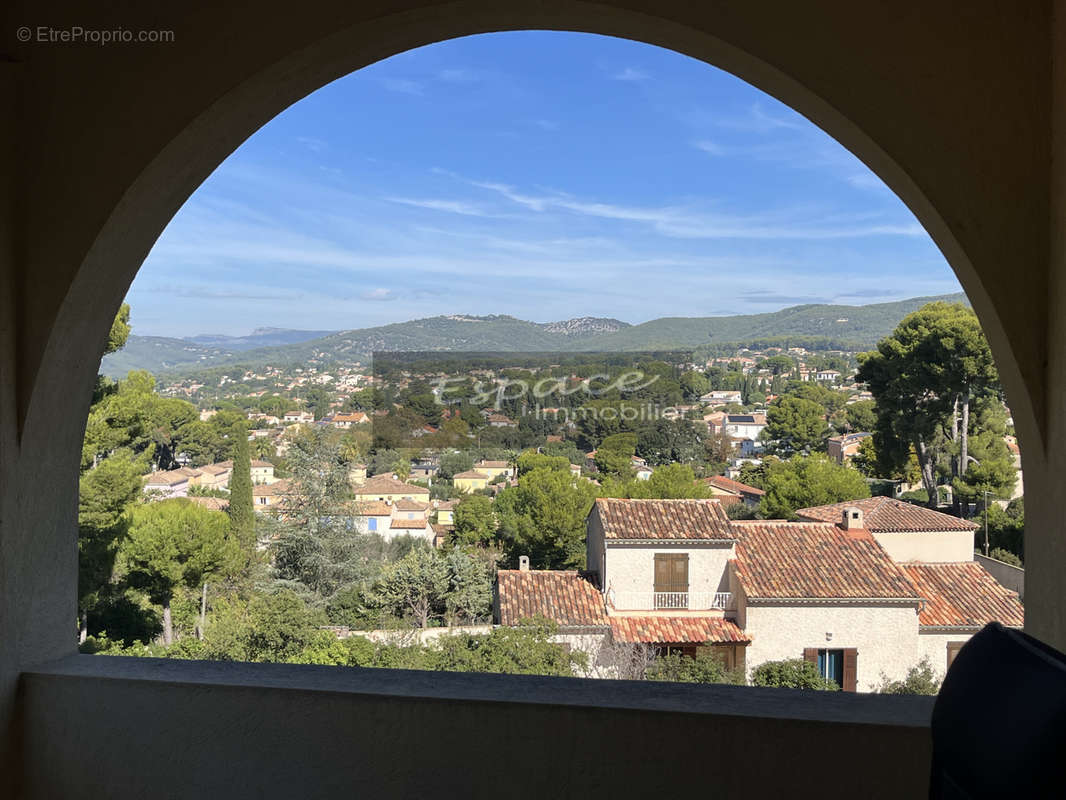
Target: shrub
[(921, 679), (792, 673), (1006, 556), (704, 668)]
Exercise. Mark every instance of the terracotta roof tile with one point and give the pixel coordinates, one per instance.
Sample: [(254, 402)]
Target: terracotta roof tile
[(386, 484), (409, 524), (801, 560), (403, 504), (963, 595), (473, 474), (563, 596), (887, 515), (166, 478), (670, 630), (492, 464), (373, 508), (271, 489), (730, 485), (663, 519)]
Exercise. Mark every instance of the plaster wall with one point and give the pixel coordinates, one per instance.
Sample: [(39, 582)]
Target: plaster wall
[(934, 547), (934, 646), (592, 645), (885, 636), (631, 568)]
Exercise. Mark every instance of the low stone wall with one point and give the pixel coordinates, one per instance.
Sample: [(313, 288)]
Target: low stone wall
[(409, 635)]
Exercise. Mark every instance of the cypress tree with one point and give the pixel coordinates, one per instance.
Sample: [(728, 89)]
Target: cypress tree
[(241, 513)]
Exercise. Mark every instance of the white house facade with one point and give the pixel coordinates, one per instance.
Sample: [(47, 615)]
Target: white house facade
[(679, 575)]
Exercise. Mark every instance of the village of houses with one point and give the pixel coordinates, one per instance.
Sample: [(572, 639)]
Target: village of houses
[(864, 589)]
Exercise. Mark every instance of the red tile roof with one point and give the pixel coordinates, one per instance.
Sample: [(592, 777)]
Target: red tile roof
[(671, 630), (373, 508), (808, 560), (663, 519), (386, 484), (409, 524), (492, 464), (166, 478), (887, 515), (472, 474), (563, 596), (403, 504), (963, 595), (730, 485), (271, 489)]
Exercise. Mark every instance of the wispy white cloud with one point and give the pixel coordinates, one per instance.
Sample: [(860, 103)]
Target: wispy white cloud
[(758, 120), (312, 143), (403, 86), (378, 294), (866, 180), (631, 74), (458, 75), (451, 206), (709, 147), (679, 222)]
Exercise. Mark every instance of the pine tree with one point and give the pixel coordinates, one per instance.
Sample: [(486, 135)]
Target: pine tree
[(241, 513)]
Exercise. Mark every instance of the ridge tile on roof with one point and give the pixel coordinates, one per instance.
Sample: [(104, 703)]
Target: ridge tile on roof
[(888, 515), (963, 595), (563, 596), (674, 630), (664, 519), (786, 560)]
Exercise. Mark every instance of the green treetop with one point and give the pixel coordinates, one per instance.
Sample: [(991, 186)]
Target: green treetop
[(176, 543)]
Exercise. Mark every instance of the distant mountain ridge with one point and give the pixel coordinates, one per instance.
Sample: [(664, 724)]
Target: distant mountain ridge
[(863, 325), (585, 325), (260, 337)]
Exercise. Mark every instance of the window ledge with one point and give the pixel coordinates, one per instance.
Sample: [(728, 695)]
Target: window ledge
[(105, 726), (907, 711)]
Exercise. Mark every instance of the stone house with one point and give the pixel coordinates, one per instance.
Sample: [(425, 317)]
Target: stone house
[(494, 469), (391, 488), (728, 491), (168, 483), (471, 480), (843, 448), (864, 601)]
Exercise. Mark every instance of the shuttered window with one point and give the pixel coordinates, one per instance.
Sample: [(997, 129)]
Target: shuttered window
[(840, 666), (671, 572)]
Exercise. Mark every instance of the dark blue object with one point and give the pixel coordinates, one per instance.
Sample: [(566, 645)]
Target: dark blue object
[(999, 723)]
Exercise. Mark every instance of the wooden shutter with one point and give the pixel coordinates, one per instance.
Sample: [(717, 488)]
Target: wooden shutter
[(810, 654), (671, 572), (851, 658)]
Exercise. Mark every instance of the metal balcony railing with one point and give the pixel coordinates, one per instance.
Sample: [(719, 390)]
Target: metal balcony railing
[(658, 601)]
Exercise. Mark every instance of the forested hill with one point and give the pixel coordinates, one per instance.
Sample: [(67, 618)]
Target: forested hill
[(860, 326)]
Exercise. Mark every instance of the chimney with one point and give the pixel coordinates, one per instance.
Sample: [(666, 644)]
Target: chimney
[(853, 519), (523, 563)]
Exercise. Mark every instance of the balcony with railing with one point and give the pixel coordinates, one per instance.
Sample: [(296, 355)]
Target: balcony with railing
[(670, 601)]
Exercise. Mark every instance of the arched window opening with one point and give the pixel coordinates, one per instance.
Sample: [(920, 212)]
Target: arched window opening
[(550, 353)]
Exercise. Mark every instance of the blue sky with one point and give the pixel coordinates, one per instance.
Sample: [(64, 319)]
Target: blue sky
[(538, 174)]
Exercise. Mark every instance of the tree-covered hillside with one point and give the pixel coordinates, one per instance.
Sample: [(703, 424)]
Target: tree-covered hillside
[(861, 325)]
